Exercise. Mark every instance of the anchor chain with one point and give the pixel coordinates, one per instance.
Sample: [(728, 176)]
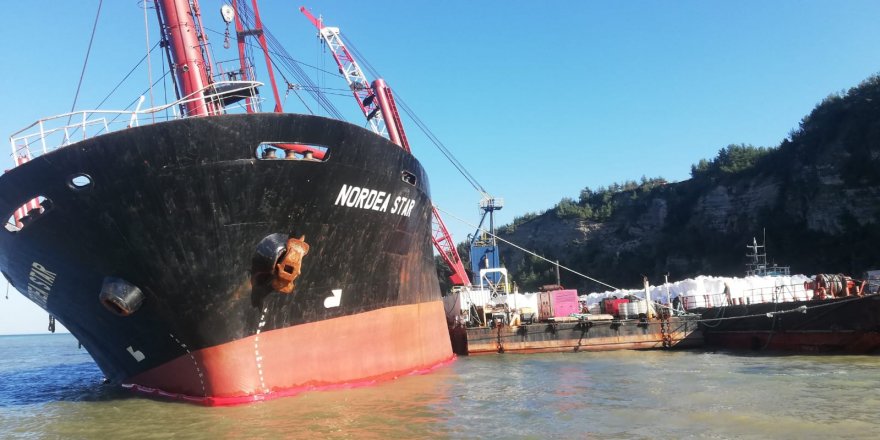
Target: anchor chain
[(498, 343), (665, 333)]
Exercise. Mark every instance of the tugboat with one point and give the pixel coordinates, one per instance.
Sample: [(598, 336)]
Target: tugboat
[(225, 255)]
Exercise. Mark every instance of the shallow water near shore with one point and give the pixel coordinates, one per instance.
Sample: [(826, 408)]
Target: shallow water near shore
[(51, 389)]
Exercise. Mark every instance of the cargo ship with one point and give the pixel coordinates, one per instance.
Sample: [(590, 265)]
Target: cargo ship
[(221, 257), (827, 313)]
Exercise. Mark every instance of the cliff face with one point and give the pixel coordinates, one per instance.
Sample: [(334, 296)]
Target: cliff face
[(724, 207), (817, 195)]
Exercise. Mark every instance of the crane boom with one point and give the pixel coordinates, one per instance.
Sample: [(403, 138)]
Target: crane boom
[(352, 73), (377, 103)]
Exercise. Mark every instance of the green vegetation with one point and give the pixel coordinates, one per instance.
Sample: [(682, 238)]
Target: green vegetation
[(533, 272), (519, 220), (599, 204), (568, 208), (732, 159)]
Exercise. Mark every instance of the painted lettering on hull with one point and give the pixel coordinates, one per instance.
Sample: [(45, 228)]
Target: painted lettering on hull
[(333, 301), (136, 354), (40, 282), (375, 200)]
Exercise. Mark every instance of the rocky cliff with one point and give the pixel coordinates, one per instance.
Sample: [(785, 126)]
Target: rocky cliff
[(817, 195)]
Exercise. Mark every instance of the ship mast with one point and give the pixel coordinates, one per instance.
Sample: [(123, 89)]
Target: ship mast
[(185, 43)]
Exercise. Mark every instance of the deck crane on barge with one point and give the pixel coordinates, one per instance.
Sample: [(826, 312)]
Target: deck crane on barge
[(485, 260), (377, 104)]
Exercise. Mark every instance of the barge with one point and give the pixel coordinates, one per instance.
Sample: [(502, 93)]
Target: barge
[(497, 325)]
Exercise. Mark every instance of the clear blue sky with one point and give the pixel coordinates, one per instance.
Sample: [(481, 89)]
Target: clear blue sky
[(537, 100)]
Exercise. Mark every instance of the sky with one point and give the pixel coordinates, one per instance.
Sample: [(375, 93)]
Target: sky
[(538, 100)]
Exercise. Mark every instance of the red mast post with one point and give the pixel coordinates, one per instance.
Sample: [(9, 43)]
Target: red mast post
[(186, 54), (389, 111), (242, 56), (258, 23)]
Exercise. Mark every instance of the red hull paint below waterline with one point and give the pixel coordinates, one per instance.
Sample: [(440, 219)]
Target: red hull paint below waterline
[(850, 342), (368, 348)]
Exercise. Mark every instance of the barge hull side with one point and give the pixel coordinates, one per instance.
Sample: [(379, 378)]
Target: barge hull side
[(856, 342), (569, 337)]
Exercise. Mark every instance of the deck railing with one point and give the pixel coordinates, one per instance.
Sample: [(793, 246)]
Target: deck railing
[(776, 294), (51, 133)]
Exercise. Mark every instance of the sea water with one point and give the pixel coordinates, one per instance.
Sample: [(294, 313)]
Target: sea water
[(51, 389)]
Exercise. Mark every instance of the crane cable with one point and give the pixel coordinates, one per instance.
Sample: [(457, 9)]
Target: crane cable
[(419, 123), (110, 94), (457, 164), (523, 249), (437, 143), (289, 63), (127, 75), (293, 87), (86, 61)]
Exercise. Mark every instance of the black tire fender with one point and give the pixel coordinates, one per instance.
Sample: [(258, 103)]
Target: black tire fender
[(269, 251)]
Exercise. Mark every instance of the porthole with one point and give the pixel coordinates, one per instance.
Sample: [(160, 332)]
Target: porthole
[(79, 182)]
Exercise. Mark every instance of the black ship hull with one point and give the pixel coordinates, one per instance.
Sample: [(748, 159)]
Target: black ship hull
[(180, 209), (836, 325)]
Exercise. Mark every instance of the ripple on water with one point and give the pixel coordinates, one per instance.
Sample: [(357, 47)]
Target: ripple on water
[(52, 390)]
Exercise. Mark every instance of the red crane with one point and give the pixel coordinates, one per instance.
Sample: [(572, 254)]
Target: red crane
[(377, 103)]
